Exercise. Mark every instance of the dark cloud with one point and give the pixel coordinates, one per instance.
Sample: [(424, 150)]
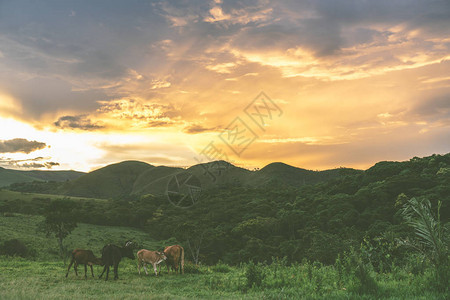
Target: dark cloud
[(436, 107), (156, 123), (39, 96), (196, 128), (32, 163), (50, 164), (20, 145), (327, 26), (77, 122)]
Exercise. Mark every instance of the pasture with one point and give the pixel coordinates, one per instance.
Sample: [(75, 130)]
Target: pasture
[(24, 279), (43, 276)]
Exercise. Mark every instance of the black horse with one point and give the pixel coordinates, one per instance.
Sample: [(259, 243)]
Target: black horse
[(111, 256)]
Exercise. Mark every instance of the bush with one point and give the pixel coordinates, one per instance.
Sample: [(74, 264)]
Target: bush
[(14, 247), (254, 275), (190, 268), (357, 272), (220, 267)]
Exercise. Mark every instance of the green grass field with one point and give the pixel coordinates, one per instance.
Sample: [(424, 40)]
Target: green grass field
[(12, 195), (86, 236), (43, 277), (24, 279)]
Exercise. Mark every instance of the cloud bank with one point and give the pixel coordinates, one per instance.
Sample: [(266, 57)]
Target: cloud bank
[(20, 145)]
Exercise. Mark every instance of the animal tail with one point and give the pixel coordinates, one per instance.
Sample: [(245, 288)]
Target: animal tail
[(182, 260)]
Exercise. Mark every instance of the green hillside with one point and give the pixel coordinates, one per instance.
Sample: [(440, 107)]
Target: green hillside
[(154, 180), (113, 181), (133, 179), (8, 176), (289, 175), (85, 236)]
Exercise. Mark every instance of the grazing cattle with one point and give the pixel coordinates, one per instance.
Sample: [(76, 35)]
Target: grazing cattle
[(145, 257), (175, 258), (83, 257), (111, 256)]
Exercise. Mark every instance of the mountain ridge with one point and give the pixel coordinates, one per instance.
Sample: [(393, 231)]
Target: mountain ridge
[(135, 178), (10, 176), (132, 178)]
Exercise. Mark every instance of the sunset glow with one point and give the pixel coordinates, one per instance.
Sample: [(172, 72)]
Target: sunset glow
[(100, 82)]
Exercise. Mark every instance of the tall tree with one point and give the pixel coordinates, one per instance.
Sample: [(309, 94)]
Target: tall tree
[(59, 221)]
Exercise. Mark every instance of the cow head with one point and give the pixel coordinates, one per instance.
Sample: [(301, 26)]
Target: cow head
[(128, 252), (161, 255), (98, 261)]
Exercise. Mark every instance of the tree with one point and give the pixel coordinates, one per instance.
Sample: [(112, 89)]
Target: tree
[(59, 221), (194, 236)]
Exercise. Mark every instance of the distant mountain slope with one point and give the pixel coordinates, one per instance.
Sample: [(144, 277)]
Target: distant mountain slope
[(134, 178), (8, 176), (112, 181), (283, 173), (154, 180)]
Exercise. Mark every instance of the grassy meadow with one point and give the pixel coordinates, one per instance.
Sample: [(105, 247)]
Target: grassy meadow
[(24, 279), (43, 276)]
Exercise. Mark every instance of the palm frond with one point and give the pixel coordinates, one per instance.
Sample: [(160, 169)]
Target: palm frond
[(418, 214)]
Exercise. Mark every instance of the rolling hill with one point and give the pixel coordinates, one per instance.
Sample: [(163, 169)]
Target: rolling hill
[(112, 181), (8, 176), (134, 178)]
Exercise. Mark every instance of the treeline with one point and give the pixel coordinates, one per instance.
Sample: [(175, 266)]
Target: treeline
[(237, 224)]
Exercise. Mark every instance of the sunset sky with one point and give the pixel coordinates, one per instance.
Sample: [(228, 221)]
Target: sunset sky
[(346, 83)]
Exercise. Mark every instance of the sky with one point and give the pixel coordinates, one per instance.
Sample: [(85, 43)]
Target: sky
[(314, 84)]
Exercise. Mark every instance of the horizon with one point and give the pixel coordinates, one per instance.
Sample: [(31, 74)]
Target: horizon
[(315, 85), (251, 168)]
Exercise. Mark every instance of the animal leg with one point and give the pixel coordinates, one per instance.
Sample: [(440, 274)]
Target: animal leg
[(154, 268), (71, 262), (116, 271), (92, 270), (145, 268), (85, 271), (104, 269), (75, 267), (139, 267)]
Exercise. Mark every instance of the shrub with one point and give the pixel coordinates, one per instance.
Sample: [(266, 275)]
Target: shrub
[(254, 275), (220, 267), (14, 247), (431, 238), (358, 273), (190, 268)]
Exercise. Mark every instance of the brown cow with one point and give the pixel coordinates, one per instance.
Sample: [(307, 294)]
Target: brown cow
[(145, 257), (83, 257), (175, 258)]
